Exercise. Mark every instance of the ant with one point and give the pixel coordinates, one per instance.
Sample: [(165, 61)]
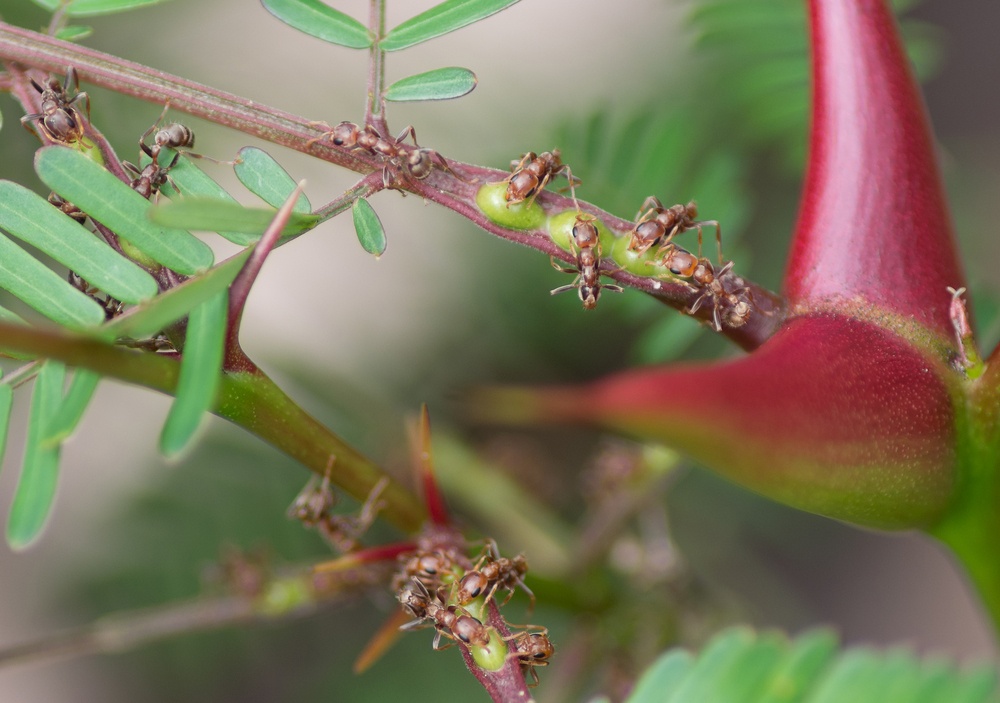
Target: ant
[(59, 119), (173, 136), (587, 247), (449, 620), (530, 175), (657, 224), (737, 304), (532, 649), (112, 307), (427, 567), (313, 508), (415, 160), (492, 572), (67, 208)]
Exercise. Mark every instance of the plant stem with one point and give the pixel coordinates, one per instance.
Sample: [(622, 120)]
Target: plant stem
[(249, 399), (451, 191), (375, 107)]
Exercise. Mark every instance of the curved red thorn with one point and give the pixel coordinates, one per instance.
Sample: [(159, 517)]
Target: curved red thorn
[(423, 462), (874, 227)]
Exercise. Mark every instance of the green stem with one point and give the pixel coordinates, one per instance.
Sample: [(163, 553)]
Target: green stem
[(249, 399), (972, 527)]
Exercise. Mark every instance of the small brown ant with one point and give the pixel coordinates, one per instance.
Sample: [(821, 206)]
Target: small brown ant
[(530, 175), (173, 136), (736, 305), (428, 567), (449, 620), (532, 649), (67, 208), (587, 248), (413, 159), (313, 508), (59, 119), (656, 224), (492, 572)]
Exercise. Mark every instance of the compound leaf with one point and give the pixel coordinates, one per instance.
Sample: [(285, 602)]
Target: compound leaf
[(97, 192), (31, 218)]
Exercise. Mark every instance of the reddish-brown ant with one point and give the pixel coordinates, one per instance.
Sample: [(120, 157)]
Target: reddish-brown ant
[(413, 159), (656, 224), (428, 567), (449, 620), (490, 573), (530, 175), (735, 306), (59, 119), (587, 248), (532, 649)]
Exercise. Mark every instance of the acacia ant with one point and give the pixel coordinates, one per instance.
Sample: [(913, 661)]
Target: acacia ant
[(427, 567), (736, 305), (59, 119), (173, 136), (586, 245), (313, 508), (530, 175), (413, 159), (449, 620), (656, 224), (490, 573), (67, 208), (532, 649)]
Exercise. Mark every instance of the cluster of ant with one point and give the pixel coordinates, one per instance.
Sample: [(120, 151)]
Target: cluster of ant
[(441, 589), (61, 121), (655, 226), (410, 159)]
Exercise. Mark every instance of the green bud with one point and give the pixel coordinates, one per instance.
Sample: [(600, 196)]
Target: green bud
[(492, 200)]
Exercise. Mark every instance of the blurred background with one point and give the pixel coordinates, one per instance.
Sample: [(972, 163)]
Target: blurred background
[(704, 100)]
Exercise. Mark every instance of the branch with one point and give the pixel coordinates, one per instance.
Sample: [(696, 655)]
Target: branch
[(248, 399), (455, 192)]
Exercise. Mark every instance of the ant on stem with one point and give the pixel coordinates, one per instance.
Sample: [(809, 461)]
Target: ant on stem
[(586, 245), (59, 120)]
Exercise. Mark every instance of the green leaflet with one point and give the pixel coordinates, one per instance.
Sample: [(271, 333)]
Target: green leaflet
[(439, 84), (209, 214), (97, 192), (742, 666), (369, 228), (42, 289), (265, 178), (441, 19), (70, 411), (321, 21), (201, 369), (31, 218), (36, 487), (195, 183), (87, 8)]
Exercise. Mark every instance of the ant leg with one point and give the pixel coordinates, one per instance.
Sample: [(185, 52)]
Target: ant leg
[(649, 207), (538, 189), (413, 135)]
